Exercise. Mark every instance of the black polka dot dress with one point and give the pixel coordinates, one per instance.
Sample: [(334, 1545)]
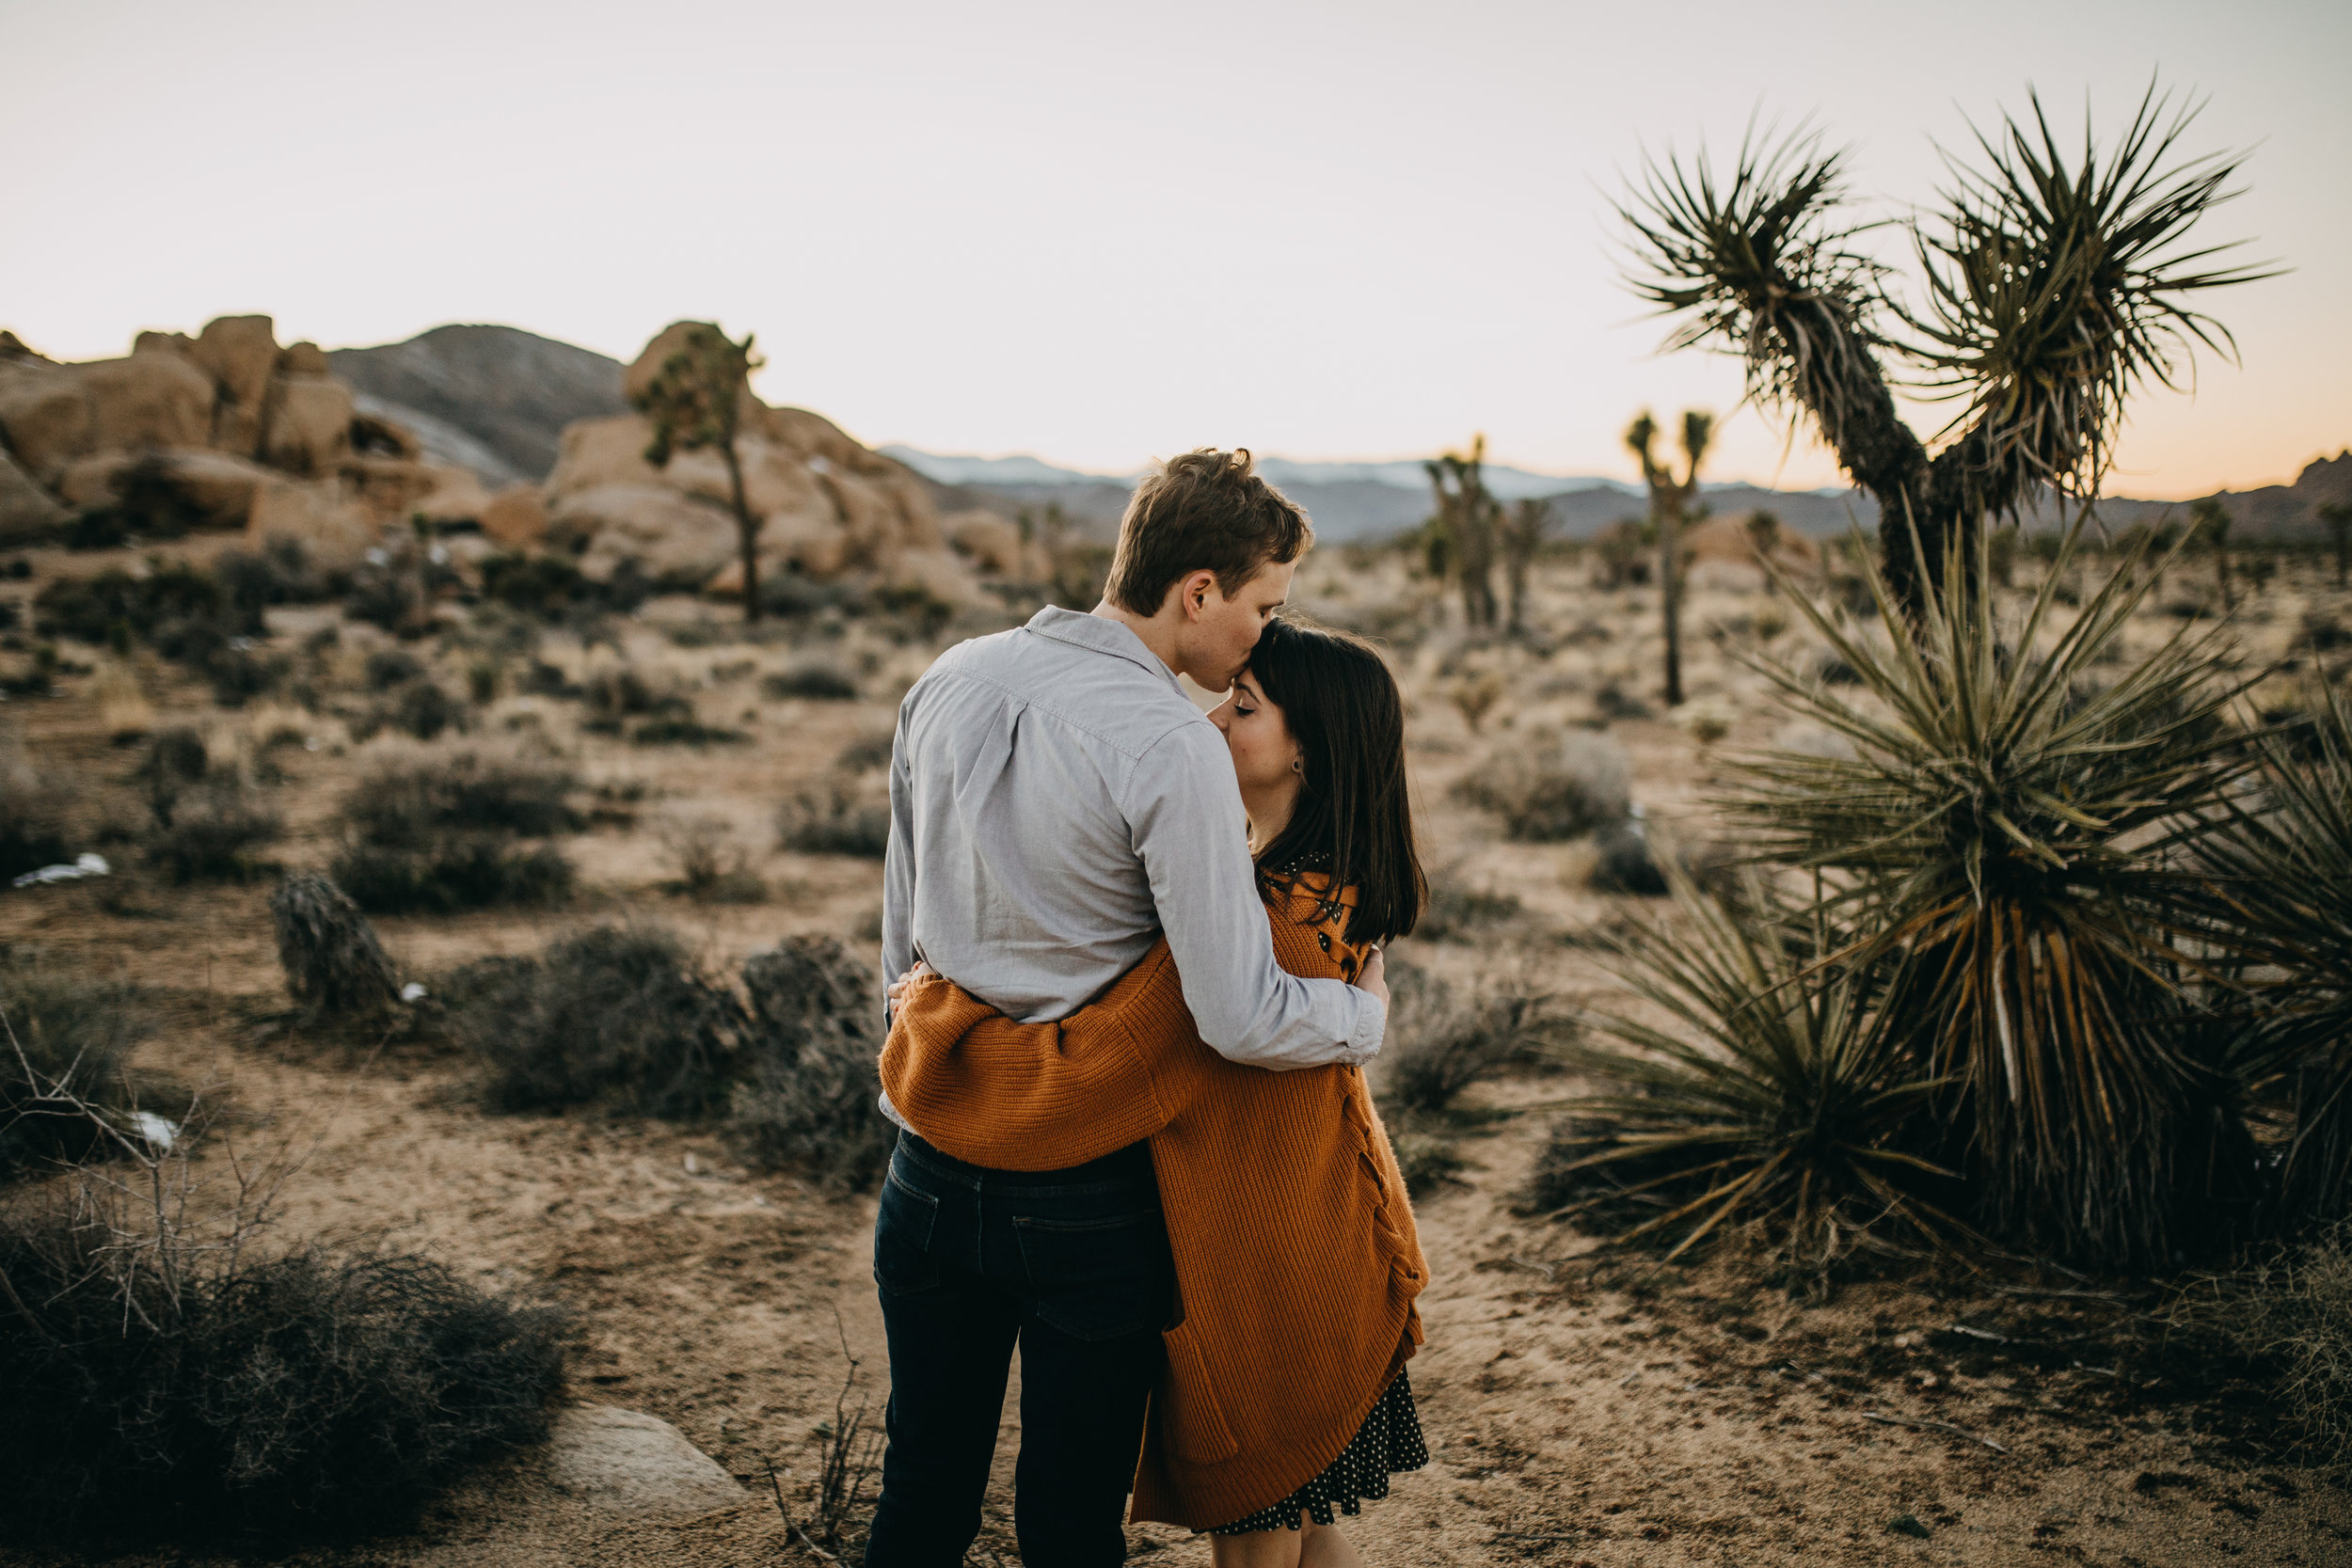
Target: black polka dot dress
[(1389, 1443)]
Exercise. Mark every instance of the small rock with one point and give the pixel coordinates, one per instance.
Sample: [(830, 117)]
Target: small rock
[(616, 1461), (1908, 1523)]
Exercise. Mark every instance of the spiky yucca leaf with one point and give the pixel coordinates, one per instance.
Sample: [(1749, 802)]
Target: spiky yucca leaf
[(2285, 874), (1780, 1093), (2011, 823)]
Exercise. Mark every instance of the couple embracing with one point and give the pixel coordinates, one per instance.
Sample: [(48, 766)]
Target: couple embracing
[(1135, 961)]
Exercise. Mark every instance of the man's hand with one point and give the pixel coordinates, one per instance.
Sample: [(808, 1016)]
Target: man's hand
[(898, 991), (1373, 976)]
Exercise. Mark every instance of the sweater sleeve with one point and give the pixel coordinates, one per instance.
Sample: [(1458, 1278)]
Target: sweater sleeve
[(1039, 1096)]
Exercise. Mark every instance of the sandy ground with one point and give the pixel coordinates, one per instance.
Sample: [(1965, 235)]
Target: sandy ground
[(1581, 1411)]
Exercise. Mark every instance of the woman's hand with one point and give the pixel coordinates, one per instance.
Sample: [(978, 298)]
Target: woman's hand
[(1373, 976), (899, 988)]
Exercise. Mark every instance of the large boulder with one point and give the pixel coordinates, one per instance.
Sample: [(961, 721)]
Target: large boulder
[(307, 429), (335, 530), (240, 353), (669, 537), (458, 495), (303, 359), (393, 489), (148, 399), (28, 514), (219, 486), (44, 415), (602, 451), (516, 517)]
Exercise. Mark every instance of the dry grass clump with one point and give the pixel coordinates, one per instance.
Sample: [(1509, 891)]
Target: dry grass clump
[(712, 868), (815, 1033), (2290, 1314), (836, 816), (170, 1378), (36, 804), (620, 1016), (436, 831), (1551, 785), (208, 817), (335, 967), (1443, 1037), (65, 1056)]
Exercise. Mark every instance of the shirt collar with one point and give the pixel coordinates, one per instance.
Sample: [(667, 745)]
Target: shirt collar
[(1099, 633)]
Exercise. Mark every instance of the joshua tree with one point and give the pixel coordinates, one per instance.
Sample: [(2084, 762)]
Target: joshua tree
[(2209, 521), (1764, 538), (2337, 517), (1522, 536), (1467, 521), (696, 401), (2054, 287), (1668, 500)]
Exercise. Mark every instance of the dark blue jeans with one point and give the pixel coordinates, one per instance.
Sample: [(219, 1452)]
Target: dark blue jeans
[(1074, 1266)]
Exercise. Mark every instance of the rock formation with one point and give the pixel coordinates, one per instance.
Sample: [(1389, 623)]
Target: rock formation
[(230, 430)]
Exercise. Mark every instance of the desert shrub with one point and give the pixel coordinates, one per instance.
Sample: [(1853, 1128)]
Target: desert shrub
[(1624, 862), (35, 811), (813, 1037), (64, 1056), (540, 585), (1457, 914), (1443, 1037), (335, 967), (435, 832), (835, 817), (1781, 1094), (166, 1385), (684, 730), (397, 586), (387, 668), (819, 679), (421, 708), (2012, 824), (615, 1015), (214, 827), (280, 573), (712, 868), (1427, 1161), (1551, 785), (2286, 1314), (866, 753)]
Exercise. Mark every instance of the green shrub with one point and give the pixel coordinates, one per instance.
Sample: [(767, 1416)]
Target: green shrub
[(616, 1015), (813, 1037), (163, 1384)]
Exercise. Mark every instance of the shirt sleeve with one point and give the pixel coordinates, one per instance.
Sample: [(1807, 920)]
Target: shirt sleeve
[(897, 922), (1184, 811)]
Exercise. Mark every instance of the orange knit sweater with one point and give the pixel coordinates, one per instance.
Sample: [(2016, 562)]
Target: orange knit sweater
[(1296, 1253)]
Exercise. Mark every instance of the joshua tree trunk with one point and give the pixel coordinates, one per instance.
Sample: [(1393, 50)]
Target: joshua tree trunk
[(1668, 498), (1670, 596), (2337, 517), (746, 531)]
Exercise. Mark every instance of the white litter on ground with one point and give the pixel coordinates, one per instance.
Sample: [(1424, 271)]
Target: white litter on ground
[(84, 866), (412, 992), (160, 1134)]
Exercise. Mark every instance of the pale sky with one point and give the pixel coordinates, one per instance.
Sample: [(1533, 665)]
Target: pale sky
[(1102, 232)]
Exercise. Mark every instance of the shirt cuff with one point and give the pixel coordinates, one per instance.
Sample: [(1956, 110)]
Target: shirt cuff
[(1371, 1023)]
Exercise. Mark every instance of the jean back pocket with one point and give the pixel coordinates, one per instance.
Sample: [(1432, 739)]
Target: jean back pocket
[(1099, 1277)]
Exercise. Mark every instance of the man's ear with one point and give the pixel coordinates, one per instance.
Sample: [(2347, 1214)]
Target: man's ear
[(1194, 590)]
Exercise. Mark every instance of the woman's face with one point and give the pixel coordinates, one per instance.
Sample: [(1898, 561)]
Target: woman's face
[(1266, 760)]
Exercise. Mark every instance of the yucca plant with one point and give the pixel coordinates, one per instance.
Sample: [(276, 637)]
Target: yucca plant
[(2056, 285), (2282, 864), (2013, 821), (1781, 1094)]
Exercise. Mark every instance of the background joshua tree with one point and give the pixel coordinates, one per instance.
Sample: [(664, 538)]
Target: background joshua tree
[(696, 401), (1522, 536), (2209, 524), (2055, 288), (1462, 531), (1669, 500), (2337, 517)]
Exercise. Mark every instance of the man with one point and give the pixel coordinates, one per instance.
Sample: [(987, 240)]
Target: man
[(1056, 803)]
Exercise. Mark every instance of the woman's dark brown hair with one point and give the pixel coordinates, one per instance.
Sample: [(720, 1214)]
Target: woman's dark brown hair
[(1352, 820)]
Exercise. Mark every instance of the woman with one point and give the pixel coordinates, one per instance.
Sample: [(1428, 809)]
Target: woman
[(1284, 1401)]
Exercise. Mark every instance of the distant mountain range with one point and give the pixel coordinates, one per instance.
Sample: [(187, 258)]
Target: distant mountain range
[(495, 400)]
